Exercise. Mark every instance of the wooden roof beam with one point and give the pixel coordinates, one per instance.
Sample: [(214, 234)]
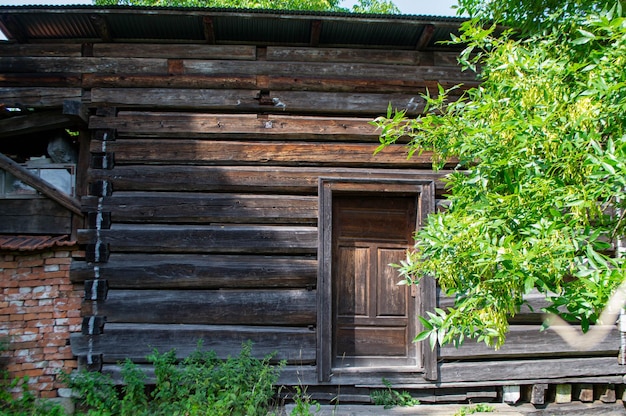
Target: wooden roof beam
[(14, 30), (74, 113), (39, 184), (425, 37), (209, 30), (316, 31), (102, 27)]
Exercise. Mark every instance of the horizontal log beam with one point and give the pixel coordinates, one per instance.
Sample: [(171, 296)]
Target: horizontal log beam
[(481, 371), (143, 207), (279, 179), (147, 50), (34, 216), (192, 125), (138, 271), (248, 100), (288, 307), (530, 341), (36, 97), (204, 239), (137, 341), (347, 55), (163, 151)]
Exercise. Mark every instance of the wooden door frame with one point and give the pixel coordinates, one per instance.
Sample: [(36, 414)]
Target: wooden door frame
[(424, 190)]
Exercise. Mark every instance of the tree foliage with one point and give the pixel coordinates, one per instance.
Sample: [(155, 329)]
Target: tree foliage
[(363, 6), (539, 196)]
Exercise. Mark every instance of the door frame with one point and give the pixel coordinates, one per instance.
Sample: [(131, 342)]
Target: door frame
[(424, 190)]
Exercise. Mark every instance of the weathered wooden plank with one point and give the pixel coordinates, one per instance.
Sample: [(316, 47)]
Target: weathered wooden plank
[(248, 101), (137, 341), (40, 80), (29, 178), (38, 97), (479, 371), (339, 69), (346, 103), (33, 123), (143, 207), (220, 81), (187, 271), (160, 151), (34, 216), (198, 99), (204, 239), (48, 49), (29, 64), (258, 82), (345, 55), (189, 51), (529, 340), (191, 125), (328, 83), (288, 307), (278, 179)]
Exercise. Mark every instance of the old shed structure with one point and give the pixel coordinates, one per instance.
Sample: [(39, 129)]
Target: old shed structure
[(231, 192)]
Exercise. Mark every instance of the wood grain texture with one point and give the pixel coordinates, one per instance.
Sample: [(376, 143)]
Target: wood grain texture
[(39, 97), (205, 239), (188, 271), (194, 208), (147, 50), (235, 126), (34, 216), (137, 341), (530, 341), (287, 307), (162, 151), (258, 179)]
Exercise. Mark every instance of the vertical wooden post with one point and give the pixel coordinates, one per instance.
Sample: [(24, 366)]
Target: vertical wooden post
[(538, 393)]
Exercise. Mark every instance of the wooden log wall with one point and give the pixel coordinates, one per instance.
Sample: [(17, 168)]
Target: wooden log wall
[(202, 209)]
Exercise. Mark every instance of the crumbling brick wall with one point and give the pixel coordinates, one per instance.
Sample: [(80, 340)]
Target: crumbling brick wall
[(39, 309)]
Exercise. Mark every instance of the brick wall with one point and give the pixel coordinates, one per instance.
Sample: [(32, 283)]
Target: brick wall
[(39, 309)]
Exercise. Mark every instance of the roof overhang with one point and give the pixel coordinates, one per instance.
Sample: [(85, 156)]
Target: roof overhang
[(91, 24)]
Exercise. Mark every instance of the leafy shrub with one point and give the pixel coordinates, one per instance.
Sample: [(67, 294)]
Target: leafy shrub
[(200, 384), (390, 397)]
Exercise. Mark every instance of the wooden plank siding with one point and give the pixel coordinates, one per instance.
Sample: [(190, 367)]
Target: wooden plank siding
[(204, 218)]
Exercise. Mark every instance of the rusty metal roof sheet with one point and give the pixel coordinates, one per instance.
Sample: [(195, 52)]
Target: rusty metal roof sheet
[(30, 24), (33, 242)]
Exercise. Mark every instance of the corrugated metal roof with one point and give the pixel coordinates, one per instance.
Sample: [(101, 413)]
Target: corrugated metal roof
[(33, 242), (220, 26)]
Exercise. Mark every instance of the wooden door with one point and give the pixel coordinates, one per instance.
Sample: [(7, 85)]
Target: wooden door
[(373, 317)]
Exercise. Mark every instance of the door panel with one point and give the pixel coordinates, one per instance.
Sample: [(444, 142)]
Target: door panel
[(373, 317)]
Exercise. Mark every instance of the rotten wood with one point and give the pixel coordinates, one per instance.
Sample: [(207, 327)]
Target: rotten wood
[(287, 307), (40, 185), (137, 341), (202, 271)]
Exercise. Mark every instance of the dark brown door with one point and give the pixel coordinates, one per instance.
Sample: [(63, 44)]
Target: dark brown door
[(373, 317)]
